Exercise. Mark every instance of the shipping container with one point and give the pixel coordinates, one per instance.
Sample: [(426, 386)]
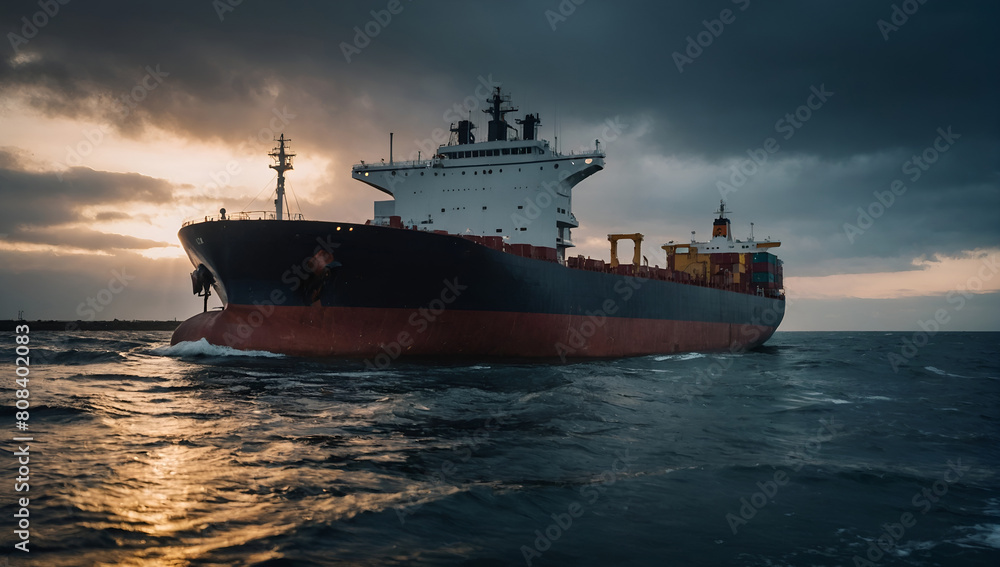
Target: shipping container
[(764, 268), (763, 277), (521, 250), (544, 253), (764, 257)]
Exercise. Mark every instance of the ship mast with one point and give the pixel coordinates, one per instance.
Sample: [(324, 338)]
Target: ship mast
[(283, 163), (498, 126)]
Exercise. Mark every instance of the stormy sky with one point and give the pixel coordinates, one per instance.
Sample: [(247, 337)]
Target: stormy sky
[(120, 120)]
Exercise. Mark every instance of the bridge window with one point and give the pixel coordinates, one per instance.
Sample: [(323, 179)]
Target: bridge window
[(505, 151)]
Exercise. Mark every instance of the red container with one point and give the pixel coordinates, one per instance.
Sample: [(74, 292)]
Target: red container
[(543, 253), (521, 249), (764, 268), (494, 242)]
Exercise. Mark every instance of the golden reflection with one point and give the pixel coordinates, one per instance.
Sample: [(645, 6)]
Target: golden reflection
[(195, 474)]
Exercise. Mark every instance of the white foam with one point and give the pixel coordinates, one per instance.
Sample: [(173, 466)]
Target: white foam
[(940, 372), (988, 535), (202, 347), (685, 356)]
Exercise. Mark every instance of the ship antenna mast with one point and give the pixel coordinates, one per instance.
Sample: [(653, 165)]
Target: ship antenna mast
[(283, 162)]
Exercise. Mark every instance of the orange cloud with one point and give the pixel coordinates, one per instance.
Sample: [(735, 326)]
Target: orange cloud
[(974, 271)]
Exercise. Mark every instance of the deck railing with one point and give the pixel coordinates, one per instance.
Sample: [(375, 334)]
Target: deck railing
[(245, 215)]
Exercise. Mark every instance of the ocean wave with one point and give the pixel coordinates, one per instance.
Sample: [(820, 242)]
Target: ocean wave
[(940, 372), (202, 347), (984, 535), (685, 356), (75, 357)]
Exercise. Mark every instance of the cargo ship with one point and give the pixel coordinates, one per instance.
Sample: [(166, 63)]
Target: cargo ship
[(472, 256)]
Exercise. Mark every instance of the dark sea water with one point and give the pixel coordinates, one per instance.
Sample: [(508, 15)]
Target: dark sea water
[(811, 449)]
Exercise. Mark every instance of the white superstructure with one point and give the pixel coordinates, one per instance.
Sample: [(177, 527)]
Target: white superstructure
[(518, 188)]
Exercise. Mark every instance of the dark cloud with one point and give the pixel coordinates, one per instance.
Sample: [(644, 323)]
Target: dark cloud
[(111, 215), (82, 238), (604, 58), (40, 202)]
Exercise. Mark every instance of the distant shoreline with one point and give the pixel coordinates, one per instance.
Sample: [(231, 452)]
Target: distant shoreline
[(116, 325)]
